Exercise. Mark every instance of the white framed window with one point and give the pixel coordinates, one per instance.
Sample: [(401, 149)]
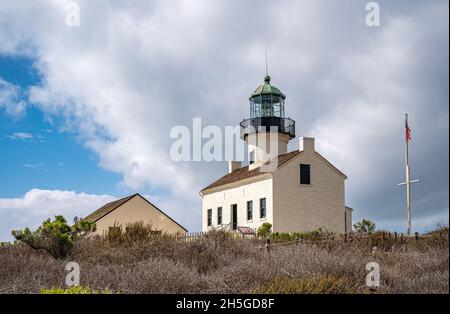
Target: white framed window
[(219, 215), (262, 208), (249, 210), (209, 217)]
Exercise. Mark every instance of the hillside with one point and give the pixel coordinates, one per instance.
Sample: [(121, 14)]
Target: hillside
[(220, 263)]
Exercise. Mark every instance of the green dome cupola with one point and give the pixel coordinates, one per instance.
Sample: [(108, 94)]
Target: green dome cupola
[(267, 89), (267, 110), (267, 101)]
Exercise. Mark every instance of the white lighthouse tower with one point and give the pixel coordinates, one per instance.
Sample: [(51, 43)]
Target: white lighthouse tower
[(267, 131)]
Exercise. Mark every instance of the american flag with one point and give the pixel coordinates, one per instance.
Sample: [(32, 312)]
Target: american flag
[(407, 131)]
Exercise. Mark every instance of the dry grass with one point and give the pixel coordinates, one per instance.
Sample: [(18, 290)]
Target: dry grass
[(145, 262), (310, 285)]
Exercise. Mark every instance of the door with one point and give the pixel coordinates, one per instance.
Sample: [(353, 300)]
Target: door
[(234, 216)]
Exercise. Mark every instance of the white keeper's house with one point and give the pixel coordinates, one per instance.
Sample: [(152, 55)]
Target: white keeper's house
[(294, 191)]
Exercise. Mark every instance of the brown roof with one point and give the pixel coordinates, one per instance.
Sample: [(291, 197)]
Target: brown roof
[(244, 173), (107, 208)]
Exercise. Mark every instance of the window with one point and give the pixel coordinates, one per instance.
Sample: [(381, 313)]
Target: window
[(250, 210), (345, 221), (234, 216), (305, 174), (209, 217), (252, 157), (266, 106), (219, 215), (262, 208)]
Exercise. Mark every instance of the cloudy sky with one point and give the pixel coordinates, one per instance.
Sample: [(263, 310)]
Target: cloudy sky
[(86, 112)]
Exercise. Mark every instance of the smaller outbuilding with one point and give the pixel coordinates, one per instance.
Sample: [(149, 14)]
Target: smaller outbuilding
[(130, 209)]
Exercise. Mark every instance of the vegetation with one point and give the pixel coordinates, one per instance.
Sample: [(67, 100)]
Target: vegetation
[(440, 230), (143, 261), (325, 284), (74, 290), (265, 229), (292, 236), (364, 226), (56, 237), (133, 232)]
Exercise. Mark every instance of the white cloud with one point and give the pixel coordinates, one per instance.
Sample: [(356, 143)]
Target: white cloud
[(38, 165), (20, 136), (37, 205), (131, 72), (10, 101)]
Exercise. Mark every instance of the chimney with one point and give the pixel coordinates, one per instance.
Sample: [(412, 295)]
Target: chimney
[(233, 165), (306, 144)]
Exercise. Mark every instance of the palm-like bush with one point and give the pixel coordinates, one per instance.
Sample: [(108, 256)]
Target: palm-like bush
[(56, 237), (364, 226)]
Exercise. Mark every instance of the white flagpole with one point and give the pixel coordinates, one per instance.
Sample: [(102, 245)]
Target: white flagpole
[(408, 181)]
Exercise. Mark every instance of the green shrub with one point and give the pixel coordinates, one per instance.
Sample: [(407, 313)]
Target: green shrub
[(310, 285), (283, 236), (265, 229), (364, 226), (74, 290), (56, 237), (292, 236)]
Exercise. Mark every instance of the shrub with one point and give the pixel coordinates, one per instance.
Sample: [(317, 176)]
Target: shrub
[(56, 237), (364, 226), (265, 229), (133, 232), (74, 290), (310, 285), (214, 250), (440, 230), (292, 236)]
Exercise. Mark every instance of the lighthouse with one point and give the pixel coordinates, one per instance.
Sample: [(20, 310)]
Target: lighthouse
[(267, 131), (298, 190)]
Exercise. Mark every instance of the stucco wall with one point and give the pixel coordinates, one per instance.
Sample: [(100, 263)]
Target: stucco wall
[(307, 207), (349, 219), (239, 195), (266, 145), (137, 209)]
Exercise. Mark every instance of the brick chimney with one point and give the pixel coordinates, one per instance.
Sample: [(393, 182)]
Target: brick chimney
[(306, 144)]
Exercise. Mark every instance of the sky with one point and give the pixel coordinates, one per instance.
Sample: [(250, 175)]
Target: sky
[(86, 111)]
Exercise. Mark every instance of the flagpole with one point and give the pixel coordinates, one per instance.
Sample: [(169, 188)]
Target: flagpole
[(408, 182)]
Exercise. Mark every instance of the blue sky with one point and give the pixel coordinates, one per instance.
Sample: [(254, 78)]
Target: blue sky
[(86, 112), (50, 158)]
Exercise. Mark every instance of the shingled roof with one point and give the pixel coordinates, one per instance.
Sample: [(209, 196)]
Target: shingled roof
[(107, 208), (244, 173)]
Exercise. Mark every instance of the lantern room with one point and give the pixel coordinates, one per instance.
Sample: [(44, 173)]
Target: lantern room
[(267, 111), (267, 101)]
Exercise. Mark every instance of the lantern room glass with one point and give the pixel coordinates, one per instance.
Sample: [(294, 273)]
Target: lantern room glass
[(266, 105)]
